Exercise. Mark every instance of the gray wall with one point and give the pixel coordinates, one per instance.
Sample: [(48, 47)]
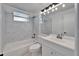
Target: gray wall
[(64, 21), (36, 25), (69, 22), (46, 26), (12, 30), (0, 27), (57, 23)]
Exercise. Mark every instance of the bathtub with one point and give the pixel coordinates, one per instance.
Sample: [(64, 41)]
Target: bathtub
[(19, 48)]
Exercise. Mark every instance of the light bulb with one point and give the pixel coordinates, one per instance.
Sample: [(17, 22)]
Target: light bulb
[(44, 13), (44, 10), (52, 10), (41, 12), (56, 8), (52, 6), (63, 5), (48, 12)]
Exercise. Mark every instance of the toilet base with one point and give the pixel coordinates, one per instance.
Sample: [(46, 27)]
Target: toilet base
[(36, 54)]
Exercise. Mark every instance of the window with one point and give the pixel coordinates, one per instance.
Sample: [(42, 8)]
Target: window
[(18, 16)]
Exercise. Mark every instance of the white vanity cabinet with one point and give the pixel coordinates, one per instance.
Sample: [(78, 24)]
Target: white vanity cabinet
[(50, 48), (47, 51)]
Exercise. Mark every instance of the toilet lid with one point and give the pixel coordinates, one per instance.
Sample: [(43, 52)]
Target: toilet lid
[(35, 46)]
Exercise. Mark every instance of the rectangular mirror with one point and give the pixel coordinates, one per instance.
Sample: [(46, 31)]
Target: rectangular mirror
[(59, 21)]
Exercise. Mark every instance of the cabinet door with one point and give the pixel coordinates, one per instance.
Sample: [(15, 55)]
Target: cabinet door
[(46, 51)]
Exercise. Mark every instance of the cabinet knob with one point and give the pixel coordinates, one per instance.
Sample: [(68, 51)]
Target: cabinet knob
[(51, 52)]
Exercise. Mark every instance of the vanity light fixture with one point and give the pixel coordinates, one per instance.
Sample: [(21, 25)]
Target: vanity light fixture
[(50, 7), (63, 5)]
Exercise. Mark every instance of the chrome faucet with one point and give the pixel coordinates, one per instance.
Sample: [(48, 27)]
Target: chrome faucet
[(60, 36)]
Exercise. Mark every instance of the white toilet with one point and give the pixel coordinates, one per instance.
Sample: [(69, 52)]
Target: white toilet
[(35, 49)]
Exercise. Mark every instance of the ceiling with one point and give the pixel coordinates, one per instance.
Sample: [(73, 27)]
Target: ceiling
[(33, 8)]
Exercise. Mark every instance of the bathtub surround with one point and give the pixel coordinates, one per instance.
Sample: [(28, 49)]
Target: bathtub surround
[(18, 48), (13, 31)]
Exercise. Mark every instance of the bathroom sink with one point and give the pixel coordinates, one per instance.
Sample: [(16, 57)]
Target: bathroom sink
[(56, 40), (65, 39)]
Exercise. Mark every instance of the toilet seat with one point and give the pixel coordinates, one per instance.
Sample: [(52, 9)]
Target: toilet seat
[(35, 47)]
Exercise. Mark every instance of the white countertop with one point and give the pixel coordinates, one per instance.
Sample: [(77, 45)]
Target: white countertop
[(68, 42)]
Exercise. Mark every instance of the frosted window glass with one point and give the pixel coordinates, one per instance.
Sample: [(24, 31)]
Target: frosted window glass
[(20, 14), (20, 17)]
